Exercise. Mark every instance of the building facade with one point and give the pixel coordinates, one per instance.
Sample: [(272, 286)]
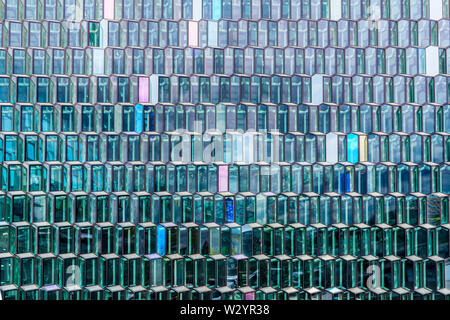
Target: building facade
[(234, 149)]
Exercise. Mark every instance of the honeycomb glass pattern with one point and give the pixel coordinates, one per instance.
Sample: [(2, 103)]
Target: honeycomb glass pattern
[(224, 149)]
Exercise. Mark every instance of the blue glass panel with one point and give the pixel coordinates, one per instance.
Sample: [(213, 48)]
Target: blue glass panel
[(352, 148), (138, 118), (161, 240), (229, 207), (216, 9), (348, 182)]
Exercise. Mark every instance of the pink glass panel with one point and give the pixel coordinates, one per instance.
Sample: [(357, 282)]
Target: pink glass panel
[(223, 178), (108, 9), (143, 89), (193, 33), (250, 296)]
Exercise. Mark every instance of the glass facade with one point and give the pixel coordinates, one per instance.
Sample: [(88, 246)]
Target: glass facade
[(234, 149)]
